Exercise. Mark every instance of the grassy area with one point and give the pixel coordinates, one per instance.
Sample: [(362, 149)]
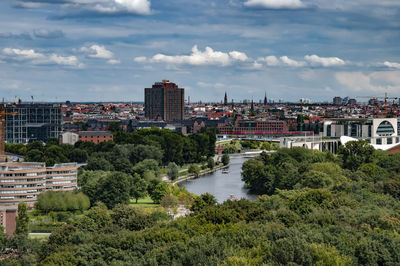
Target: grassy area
[(183, 173), (40, 237), (145, 202)]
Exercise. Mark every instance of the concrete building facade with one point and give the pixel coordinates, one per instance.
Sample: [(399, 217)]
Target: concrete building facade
[(25, 181), (165, 101), (69, 138)]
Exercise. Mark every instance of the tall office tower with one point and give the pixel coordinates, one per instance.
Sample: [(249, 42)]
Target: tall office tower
[(164, 100), (33, 122)]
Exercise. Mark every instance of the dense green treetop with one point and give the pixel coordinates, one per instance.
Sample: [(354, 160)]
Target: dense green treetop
[(314, 210)]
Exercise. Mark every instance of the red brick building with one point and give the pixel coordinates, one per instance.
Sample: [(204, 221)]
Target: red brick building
[(255, 127), (95, 136), (8, 215)]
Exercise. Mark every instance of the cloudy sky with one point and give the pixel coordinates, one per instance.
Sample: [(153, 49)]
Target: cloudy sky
[(109, 50)]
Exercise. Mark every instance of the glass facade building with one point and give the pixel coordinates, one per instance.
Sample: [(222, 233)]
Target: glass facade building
[(33, 122)]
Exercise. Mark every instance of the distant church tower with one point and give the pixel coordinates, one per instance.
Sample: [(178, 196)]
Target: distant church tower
[(225, 99), (265, 99)]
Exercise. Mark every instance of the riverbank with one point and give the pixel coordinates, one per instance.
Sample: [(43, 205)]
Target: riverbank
[(220, 184), (202, 172)]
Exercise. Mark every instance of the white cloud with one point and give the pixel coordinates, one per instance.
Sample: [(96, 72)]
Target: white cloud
[(281, 61), (272, 60), (137, 7), (238, 56), (22, 54), (378, 82), (100, 52), (290, 62), (140, 59), (113, 61), (97, 51), (392, 64), (27, 4), (30, 55), (47, 34), (275, 4), (315, 60), (256, 65), (312, 60), (198, 58)]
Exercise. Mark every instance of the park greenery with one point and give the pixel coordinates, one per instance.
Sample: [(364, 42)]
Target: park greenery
[(129, 167), (128, 149), (236, 146), (314, 208)]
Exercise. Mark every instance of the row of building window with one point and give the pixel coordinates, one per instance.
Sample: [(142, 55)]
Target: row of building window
[(22, 180)]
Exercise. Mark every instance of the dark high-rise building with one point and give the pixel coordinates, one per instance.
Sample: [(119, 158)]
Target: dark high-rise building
[(337, 101), (33, 122), (164, 100), (352, 102)]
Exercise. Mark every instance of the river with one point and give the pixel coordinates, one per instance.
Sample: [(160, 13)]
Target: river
[(221, 185)]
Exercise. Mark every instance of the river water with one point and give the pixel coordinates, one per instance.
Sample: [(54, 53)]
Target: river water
[(221, 185)]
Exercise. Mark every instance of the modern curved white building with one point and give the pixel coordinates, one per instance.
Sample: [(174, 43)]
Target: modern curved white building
[(382, 133), (25, 181)]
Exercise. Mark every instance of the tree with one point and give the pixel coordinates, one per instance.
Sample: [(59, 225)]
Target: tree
[(203, 201), (35, 145), (22, 221), (96, 163), (146, 165), (98, 217), (122, 165), (78, 155), (173, 171), (225, 159), (62, 201), (356, 153), (138, 187), (34, 155), (316, 179), (194, 169), (114, 189), (54, 154), (114, 127), (141, 152), (159, 192), (210, 163), (258, 177), (374, 172)]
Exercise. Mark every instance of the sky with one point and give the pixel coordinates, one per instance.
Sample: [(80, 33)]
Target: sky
[(110, 50)]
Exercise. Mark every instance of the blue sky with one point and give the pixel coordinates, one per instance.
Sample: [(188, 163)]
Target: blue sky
[(110, 50)]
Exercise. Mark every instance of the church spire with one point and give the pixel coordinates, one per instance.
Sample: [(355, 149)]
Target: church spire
[(225, 99), (265, 99)]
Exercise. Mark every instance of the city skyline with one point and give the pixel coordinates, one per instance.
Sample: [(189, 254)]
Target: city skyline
[(110, 50)]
